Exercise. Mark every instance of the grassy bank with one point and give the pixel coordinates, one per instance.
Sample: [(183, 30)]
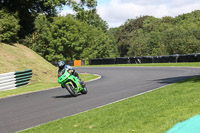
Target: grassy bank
[(153, 112), (17, 57)]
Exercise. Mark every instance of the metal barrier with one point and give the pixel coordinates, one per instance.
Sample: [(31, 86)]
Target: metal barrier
[(12, 80), (148, 59)]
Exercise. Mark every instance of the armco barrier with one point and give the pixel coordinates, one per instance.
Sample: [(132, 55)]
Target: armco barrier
[(12, 80), (148, 59), (122, 60), (103, 61)]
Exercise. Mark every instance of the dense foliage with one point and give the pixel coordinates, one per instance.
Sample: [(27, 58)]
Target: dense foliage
[(72, 39), (150, 36), (28, 10), (66, 38), (9, 26)]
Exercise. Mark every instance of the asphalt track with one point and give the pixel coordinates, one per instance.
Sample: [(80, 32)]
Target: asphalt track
[(28, 110)]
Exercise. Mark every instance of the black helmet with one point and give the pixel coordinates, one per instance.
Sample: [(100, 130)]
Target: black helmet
[(61, 64)]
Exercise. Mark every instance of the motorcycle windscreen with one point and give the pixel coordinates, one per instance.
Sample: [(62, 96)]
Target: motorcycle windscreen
[(63, 77)]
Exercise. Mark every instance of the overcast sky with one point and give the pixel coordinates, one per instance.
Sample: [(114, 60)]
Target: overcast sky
[(116, 12)]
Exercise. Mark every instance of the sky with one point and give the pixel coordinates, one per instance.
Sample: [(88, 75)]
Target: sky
[(117, 12)]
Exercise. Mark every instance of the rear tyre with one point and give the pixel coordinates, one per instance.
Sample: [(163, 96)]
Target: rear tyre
[(71, 90), (84, 91)]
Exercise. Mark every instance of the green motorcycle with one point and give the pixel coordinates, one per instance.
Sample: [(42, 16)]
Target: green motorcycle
[(71, 83)]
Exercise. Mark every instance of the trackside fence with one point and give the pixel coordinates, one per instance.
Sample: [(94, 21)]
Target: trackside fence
[(147, 59), (12, 80)]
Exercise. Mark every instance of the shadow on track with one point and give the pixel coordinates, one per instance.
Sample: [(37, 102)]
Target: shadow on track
[(65, 96), (179, 79)]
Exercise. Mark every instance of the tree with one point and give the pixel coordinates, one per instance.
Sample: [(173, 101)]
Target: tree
[(67, 39), (42, 35), (113, 34), (92, 18), (86, 12), (138, 45), (153, 36), (98, 45), (128, 31), (9, 26), (72, 39), (29, 10), (181, 41)]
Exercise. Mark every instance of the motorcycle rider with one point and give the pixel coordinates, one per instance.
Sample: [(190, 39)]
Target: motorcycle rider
[(62, 67)]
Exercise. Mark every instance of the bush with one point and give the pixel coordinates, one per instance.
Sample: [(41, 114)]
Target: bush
[(9, 27)]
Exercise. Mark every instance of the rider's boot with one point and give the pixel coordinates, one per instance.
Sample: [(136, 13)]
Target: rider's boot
[(81, 82), (62, 86)]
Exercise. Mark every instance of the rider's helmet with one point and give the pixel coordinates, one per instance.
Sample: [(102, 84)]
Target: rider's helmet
[(61, 65)]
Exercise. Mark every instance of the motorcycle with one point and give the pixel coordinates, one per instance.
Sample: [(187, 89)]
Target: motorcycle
[(71, 83)]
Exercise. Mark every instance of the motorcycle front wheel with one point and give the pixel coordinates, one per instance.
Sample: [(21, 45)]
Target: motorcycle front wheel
[(71, 90)]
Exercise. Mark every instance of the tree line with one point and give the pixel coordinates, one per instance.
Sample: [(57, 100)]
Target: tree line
[(85, 35), (150, 36)]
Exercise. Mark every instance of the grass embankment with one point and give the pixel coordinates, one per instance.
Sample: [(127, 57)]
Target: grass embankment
[(19, 58), (153, 112)]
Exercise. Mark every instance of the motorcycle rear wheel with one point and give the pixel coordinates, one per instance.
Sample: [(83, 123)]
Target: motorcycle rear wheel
[(84, 91)]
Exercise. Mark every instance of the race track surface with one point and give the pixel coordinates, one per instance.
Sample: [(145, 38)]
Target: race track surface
[(28, 110)]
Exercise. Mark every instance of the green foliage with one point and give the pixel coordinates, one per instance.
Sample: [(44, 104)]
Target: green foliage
[(128, 31), (40, 39), (181, 41), (113, 34), (86, 12), (68, 39), (138, 45), (29, 10), (150, 36), (92, 18), (9, 27), (42, 35), (81, 4), (98, 45)]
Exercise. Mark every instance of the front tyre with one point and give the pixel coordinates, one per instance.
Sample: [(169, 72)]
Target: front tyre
[(84, 91), (71, 90)]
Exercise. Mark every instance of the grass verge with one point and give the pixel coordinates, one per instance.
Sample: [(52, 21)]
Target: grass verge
[(40, 86), (153, 112)]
